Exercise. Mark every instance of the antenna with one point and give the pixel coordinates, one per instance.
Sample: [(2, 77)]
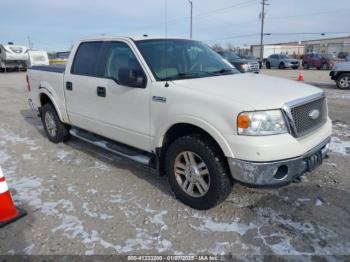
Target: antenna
[(166, 41)]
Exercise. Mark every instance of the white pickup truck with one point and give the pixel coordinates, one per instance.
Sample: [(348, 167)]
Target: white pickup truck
[(177, 106)]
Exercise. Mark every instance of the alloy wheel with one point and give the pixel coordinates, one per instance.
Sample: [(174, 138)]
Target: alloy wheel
[(192, 174)]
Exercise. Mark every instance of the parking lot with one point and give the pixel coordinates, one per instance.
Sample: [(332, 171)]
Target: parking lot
[(83, 200)]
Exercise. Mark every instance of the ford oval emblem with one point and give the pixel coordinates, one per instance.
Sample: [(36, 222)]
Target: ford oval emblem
[(314, 114)]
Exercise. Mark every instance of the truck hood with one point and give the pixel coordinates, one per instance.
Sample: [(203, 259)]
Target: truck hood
[(342, 66), (242, 61), (259, 92)]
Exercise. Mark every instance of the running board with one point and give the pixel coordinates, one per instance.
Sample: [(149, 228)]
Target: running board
[(114, 147)]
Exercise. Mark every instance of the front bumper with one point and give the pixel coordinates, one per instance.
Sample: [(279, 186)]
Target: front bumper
[(290, 65), (276, 173), (333, 75)]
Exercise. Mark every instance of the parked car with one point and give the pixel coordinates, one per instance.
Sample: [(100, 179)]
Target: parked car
[(175, 105), (348, 58), (281, 61), (343, 55), (320, 61), (341, 75), (242, 64), (253, 58)]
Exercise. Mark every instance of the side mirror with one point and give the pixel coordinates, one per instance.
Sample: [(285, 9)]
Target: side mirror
[(132, 77)]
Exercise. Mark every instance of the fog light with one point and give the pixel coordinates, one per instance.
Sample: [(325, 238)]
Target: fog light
[(281, 173)]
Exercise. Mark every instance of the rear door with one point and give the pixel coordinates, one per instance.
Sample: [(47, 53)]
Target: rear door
[(273, 60), (80, 85)]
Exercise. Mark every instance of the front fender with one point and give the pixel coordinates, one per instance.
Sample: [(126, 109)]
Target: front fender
[(186, 119)]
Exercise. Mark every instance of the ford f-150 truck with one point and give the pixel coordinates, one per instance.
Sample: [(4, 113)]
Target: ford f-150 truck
[(177, 106)]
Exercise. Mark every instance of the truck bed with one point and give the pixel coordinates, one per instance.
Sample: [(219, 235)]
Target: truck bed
[(50, 68)]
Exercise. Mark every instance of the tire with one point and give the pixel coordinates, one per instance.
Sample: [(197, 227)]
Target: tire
[(55, 130), (343, 81), (268, 65), (215, 172), (281, 66)]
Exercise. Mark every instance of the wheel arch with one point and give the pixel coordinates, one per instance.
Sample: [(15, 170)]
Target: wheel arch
[(45, 98), (180, 128)]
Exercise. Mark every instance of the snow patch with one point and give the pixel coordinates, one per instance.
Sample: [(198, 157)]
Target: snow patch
[(208, 225), (90, 213), (339, 146)]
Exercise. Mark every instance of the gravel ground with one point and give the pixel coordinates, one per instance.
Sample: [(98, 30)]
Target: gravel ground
[(82, 200)]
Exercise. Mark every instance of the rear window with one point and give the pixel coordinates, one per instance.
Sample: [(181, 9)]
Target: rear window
[(86, 59)]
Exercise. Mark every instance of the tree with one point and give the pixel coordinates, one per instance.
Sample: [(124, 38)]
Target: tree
[(217, 47), (230, 47)]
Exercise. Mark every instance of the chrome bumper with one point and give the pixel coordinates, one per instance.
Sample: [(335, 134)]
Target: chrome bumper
[(277, 172)]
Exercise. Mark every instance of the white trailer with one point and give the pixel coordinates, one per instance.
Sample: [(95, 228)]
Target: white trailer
[(37, 58), (13, 56)]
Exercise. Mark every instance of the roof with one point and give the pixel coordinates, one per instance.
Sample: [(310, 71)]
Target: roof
[(134, 38)]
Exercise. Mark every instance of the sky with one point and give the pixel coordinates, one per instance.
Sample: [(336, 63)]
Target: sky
[(54, 25)]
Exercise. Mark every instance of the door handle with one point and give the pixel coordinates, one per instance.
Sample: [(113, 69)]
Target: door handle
[(69, 86), (101, 91)]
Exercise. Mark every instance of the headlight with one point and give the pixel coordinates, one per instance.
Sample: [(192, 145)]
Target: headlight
[(244, 67), (261, 123)]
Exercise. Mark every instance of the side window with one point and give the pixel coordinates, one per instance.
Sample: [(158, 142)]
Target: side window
[(120, 60), (86, 58)]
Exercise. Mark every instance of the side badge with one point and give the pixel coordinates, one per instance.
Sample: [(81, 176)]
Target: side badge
[(160, 99)]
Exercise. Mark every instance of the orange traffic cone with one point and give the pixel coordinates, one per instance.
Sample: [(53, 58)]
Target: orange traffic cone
[(8, 212), (301, 75)]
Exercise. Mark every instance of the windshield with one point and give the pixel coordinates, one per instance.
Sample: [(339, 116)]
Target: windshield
[(284, 57), (175, 59)]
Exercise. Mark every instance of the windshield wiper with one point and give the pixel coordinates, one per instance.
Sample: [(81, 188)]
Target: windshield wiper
[(222, 71), (196, 74)]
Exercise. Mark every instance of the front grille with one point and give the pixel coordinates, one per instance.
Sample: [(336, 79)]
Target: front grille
[(254, 66), (303, 121)]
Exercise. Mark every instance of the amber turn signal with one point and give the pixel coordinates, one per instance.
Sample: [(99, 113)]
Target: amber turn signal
[(243, 121)]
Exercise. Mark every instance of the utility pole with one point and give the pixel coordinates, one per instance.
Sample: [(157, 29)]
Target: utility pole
[(262, 16), (29, 43), (191, 23)]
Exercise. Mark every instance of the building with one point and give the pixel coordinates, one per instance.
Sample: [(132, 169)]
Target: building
[(335, 46), (338, 46)]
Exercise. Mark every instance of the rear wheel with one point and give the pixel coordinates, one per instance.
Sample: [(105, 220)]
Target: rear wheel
[(55, 130), (306, 66), (197, 172), (281, 66), (343, 81)]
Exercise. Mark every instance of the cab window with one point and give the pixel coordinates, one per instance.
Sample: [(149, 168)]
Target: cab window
[(86, 58), (120, 58)]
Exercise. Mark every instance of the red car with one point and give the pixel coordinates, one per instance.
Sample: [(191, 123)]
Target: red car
[(320, 61)]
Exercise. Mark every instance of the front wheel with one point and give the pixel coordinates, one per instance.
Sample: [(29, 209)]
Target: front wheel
[(55, 130), (343, 81), (197, 172), (268, 65), (281, 66)]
